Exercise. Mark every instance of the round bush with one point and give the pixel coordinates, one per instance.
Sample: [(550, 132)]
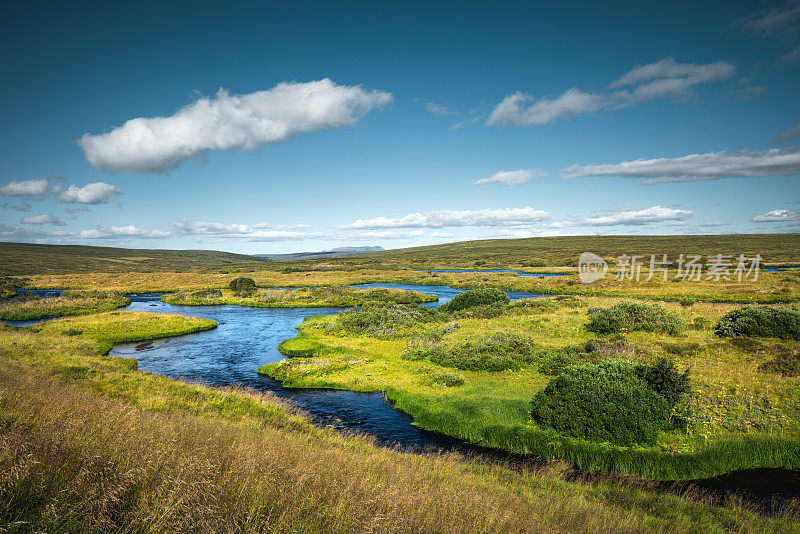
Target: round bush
[(760, 321), (631, 316), (475, 297), (242, 286), (603, 402)]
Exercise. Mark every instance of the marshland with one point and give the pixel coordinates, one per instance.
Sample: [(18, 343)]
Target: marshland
[(465, 402)]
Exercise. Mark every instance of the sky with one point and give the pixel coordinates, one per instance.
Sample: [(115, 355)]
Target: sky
[(274, 127)]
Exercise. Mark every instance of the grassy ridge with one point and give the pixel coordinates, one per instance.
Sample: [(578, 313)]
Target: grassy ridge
[(88, 444), (503, 253), (26, 259), (740, 417)]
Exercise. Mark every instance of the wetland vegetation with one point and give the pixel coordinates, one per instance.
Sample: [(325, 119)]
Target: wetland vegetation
[(667, 381)]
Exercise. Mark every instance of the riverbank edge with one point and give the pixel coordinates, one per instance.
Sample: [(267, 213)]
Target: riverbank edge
[(717, 458)]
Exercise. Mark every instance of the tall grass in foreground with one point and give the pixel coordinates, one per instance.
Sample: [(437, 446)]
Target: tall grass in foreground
[(75, 461)]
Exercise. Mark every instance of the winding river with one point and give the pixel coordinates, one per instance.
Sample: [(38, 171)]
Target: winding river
[(248, 337)]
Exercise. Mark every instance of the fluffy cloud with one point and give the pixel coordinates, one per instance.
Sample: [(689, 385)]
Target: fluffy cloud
[(116, 232), (380, 234), (451, 218), (43, 219), (778, 216), (511, 178), (663, 79), (698, 167), (637, 217), (257, 232), (26, 188), (95, 193), (229, 122)]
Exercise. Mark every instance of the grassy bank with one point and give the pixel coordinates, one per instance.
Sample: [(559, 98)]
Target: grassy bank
[(739, 415), (91, 445), (69, 303), (307, 297), (769, 288)]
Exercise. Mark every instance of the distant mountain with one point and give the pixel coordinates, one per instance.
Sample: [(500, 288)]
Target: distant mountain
[(332, 253)]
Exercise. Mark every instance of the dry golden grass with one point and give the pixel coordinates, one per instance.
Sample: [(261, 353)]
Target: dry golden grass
[(75, 461)]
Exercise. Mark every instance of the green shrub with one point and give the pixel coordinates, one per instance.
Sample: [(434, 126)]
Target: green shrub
[(242, 286), (688, 302), (632, 316), (699, 323), (384, 320), (475, 297), (663, 378), (554, 361), (602, 402), (786, 363), (760, 321), (500, 352)]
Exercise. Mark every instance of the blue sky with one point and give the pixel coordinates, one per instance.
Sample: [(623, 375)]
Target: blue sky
[(282, 127)]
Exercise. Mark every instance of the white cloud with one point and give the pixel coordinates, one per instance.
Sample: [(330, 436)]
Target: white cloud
[(452, 218), (436, 109), (512, 178), (637, 217), (778, 216), (26, 188), (787, 134), (698, 167), (792, 57), (380, 234), (663, 79), (521, 109), (115, 232), (95, 193), (258, 232), (229, 122), (764, 23), (43, 219), (442, 234)]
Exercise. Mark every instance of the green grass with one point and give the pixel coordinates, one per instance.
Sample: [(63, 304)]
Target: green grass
[(319, 297), (740, 417), (69, 303), (88, 444)]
